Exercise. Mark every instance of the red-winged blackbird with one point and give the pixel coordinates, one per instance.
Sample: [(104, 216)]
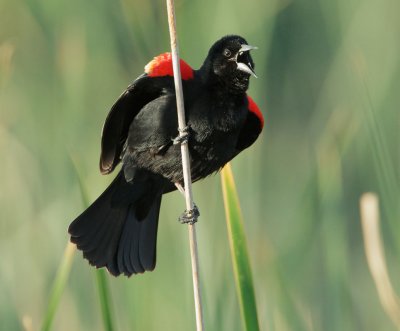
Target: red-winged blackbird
[(119, 230)]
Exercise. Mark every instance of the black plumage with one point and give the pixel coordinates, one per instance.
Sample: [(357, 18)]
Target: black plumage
[(119, 230)]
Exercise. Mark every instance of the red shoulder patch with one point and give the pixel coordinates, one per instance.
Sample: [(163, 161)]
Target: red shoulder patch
[(255, 110), (162, 66)]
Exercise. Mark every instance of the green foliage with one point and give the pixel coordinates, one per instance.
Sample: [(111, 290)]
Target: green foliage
[(105, 299), (239, 254), (58, 286)]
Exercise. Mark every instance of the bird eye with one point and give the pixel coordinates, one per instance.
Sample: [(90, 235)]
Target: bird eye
[(227, 52)]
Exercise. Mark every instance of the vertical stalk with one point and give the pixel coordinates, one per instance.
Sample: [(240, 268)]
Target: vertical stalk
[(374, 251), (105, 300), (185, 162), (239, 252), (58, 286)]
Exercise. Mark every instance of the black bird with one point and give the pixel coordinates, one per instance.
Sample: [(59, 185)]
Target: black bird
[(119, 230)]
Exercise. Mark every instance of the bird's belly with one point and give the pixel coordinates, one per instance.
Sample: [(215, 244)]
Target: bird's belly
[(211, 146), (211, 154)]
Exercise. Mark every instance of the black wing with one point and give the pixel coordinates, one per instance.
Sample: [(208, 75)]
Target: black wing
[(250, 132), (116, 126)]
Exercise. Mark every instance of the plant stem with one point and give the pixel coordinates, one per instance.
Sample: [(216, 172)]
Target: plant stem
[(59, 286), (105, 300), (185, 162), (240, 256)]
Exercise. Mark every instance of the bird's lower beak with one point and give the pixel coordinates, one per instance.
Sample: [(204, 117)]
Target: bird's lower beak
[(245, 67)]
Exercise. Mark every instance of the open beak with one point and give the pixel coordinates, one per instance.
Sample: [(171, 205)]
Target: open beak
[(245, 67)]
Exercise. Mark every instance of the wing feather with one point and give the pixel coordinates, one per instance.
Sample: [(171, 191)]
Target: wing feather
[(116, 126), (252, 127)]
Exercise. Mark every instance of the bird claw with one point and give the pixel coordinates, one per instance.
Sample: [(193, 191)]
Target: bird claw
[(183, 136), (190, 216)]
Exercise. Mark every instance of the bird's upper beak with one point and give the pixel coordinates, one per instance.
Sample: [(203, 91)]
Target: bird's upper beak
[(245, 67)]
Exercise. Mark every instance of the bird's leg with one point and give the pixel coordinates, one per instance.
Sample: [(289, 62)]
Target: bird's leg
[(188, 216), (183, 136)]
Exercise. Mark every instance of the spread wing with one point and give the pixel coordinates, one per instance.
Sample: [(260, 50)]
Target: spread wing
[(116, 126), (158, 76)]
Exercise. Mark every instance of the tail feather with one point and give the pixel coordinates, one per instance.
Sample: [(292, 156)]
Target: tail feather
[(137, 247), (103, 246), (113, 233), (97, 235), (148, 237), (127, 239)]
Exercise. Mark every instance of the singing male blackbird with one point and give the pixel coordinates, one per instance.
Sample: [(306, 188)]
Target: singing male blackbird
[(119, 230)]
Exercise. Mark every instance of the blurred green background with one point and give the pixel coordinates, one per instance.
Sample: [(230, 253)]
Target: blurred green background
[(329, 83)]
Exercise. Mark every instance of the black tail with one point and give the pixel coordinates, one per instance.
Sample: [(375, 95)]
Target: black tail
[(119, 230)]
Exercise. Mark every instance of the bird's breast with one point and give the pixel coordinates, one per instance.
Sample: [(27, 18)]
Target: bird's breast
[(211, 118), (215, 127)]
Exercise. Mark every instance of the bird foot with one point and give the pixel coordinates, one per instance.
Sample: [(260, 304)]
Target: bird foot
[(190, 216), (183, 136)]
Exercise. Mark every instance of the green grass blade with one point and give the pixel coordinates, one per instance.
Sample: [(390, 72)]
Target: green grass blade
[(58, 286), (105, 300), (101, 276), (240, 256)]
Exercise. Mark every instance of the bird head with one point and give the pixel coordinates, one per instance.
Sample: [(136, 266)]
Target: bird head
[(229, 62)]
